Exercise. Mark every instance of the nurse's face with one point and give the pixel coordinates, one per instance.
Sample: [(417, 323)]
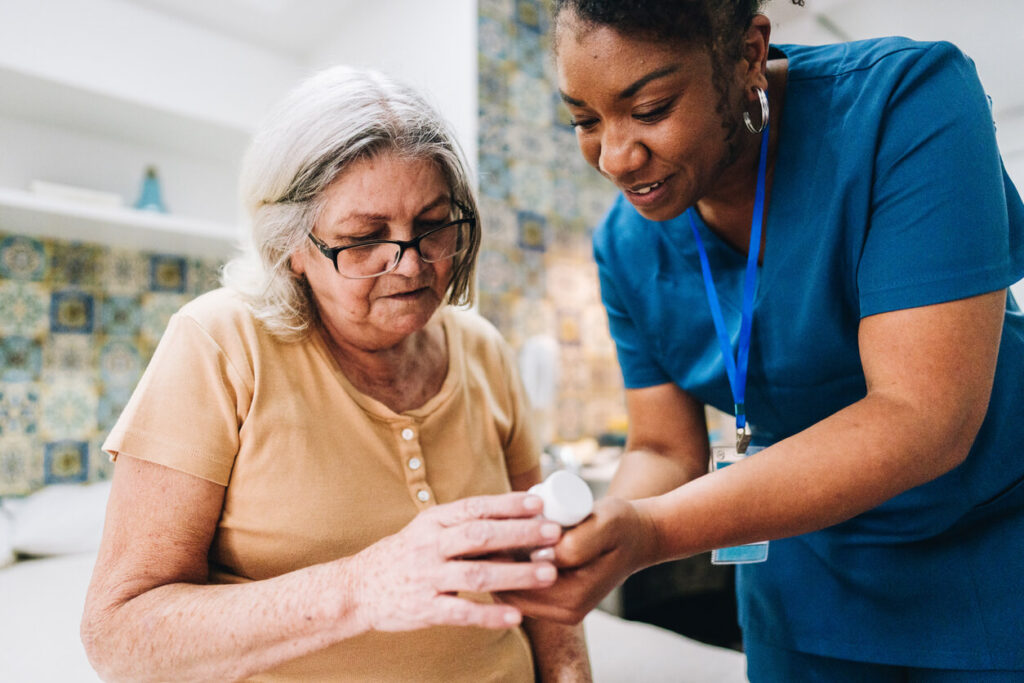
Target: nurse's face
[(647, 115)]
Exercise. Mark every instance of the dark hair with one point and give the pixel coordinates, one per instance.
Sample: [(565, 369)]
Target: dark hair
[(716, 23)]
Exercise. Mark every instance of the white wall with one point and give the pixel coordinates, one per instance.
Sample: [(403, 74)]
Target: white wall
[(138, 55), (428, 44)]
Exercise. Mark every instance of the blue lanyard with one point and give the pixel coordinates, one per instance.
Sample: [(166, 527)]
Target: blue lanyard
[(737, 369)]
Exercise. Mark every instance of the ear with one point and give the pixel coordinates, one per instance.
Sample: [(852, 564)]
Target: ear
[(297, 261), (755, 52)]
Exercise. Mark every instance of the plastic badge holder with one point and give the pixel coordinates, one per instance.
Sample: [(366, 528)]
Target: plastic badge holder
[(723, 456), (567, 498)]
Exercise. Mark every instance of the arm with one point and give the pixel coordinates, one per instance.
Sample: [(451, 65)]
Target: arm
[(150, 614), (667, 444), (559, 651), (929, 374)]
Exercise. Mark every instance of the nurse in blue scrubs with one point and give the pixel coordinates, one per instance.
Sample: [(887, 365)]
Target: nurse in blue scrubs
[(819, 241)]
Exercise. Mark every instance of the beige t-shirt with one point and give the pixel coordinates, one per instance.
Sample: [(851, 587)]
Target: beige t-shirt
[(316, 470)]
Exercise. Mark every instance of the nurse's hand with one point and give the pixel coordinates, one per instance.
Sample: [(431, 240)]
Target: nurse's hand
[(410, 580), (593, 558)]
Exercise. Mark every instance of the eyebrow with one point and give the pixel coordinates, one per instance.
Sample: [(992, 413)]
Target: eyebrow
[(384, 218), (630, 90)]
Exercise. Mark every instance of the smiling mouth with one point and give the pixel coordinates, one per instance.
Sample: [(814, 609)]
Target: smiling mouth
[(645, 189)]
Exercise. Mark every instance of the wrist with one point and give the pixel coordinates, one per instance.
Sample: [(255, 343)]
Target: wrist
[(652, 548), (350, 611)]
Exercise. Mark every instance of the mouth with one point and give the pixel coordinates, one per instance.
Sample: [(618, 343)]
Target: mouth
[(646, 196), (408, 294), (645, 189)]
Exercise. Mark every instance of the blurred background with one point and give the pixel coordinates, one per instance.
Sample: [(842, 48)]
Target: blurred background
[(122, 125)]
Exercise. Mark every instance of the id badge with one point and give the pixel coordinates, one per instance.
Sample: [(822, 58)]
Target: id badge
[(723, 456)]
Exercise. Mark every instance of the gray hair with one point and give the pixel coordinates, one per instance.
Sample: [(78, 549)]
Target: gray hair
[(336, 117)]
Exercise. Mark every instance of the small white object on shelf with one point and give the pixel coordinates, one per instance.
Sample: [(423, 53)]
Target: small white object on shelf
[(567, 498)]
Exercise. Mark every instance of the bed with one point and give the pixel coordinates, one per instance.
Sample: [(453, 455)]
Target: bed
[(41, 602)]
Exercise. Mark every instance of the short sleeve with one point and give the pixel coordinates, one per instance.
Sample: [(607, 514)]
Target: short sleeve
[(939, 226), (639, 368), (188, 407)]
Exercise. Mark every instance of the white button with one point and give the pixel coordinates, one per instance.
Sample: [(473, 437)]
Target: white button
[(407, 434), (423, 495), (414, 463)]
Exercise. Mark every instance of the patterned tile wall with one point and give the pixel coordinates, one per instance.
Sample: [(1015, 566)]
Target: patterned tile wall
[(78, 324), (539, 202)]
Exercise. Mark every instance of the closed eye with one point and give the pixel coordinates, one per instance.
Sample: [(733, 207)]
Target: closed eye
[(654, 115), (583, 124)]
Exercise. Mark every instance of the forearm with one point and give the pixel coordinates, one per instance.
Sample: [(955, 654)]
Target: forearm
[(559, 651), (847, 464), (643, 473), (225, 632)]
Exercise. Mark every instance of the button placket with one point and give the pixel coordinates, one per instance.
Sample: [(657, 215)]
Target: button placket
[(413, 464)]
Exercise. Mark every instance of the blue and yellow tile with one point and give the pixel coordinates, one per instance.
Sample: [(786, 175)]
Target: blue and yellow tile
[(22, 258), (21, 464), (65, 462), (24, 308), (21, 359), (72, 311)]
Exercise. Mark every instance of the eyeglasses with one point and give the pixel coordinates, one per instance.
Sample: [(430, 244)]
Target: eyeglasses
[(377, 257)]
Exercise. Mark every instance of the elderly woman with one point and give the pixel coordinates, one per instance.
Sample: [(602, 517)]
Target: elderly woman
[(818, 239), (290, 495)]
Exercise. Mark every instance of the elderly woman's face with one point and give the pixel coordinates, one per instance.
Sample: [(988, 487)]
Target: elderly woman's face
[(645, 113), (387, 197)]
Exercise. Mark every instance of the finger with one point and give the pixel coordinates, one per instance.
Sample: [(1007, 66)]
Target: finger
[(580, 546), (505, 505), (487, 577), (540, 605), (490, 535), (452, 611)]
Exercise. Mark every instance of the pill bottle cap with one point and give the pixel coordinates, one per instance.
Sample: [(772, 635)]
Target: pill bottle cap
[(567, 498)]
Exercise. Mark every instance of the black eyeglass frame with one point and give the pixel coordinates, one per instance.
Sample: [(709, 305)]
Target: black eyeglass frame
[(414, 243)]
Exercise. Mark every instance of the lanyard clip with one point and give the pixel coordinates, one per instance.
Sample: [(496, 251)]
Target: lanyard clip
[(742, 430), (742, 439)]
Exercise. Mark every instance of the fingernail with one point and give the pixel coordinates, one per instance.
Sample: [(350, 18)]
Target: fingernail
[(533, 503), (543, 555), (551, 530), (513, 618), (546, 573)]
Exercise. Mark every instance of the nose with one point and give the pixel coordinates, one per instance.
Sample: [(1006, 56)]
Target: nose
[(621, 153), (410, 265)]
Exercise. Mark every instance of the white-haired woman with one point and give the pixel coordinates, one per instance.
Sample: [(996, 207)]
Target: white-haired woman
[(301, 478)]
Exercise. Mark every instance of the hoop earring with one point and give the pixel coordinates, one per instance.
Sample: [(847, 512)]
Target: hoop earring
[(763, 99)]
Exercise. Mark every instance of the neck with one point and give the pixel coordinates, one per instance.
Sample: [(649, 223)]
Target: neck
[(403, 376), (727, 209)]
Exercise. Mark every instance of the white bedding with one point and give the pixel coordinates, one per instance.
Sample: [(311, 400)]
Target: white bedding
[(41, 604)]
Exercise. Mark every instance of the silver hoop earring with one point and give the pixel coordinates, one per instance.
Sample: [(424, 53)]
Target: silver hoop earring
[(762, 97)]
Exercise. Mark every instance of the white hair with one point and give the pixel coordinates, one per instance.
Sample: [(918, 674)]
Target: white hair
[(334, 118)]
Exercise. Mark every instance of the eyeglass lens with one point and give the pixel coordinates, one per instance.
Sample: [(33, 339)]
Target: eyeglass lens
[(376, 259)]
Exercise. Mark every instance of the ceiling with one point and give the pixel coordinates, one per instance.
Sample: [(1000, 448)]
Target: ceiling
[(986, 31), (291, 28)]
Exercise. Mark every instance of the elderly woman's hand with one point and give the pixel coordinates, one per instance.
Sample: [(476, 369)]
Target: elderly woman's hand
[(594, 557), (409, 580)]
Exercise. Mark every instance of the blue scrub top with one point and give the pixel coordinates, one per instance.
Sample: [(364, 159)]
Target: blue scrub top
[(888, 193)]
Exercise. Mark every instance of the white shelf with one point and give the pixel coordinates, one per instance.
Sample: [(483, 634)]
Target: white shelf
[(23, 213), (41, 100)]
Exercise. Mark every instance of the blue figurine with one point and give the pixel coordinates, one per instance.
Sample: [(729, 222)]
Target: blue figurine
[(149, 198)]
